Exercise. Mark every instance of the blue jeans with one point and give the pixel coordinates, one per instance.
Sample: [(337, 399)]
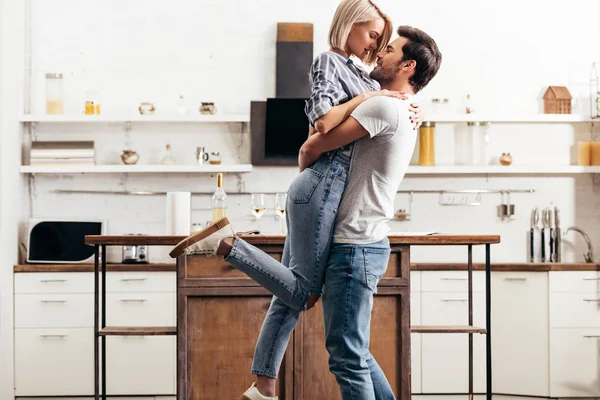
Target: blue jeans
[(313, 200), (351, 281)]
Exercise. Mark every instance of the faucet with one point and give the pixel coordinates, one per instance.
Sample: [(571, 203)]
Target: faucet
[(589, 256)]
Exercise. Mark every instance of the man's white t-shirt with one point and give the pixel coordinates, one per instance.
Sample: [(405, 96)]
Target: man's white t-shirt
[(379, 162)]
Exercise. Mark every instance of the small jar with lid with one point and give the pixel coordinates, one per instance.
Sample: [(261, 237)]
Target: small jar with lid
[(54, 94)]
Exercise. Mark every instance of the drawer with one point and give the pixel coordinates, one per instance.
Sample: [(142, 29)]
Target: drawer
[(202, 267), (54, 282), (141, 282), (575, 281), (451, 281), (141, 365), (141, 309), (54, 362), (574, 310), (574, 362), (415, 281), (54, 311), (451, 308)]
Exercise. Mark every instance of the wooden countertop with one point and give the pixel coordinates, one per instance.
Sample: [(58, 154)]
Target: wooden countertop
[(168, 267), (429, 240)]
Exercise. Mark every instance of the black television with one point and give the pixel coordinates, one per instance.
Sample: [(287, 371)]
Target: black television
[(279, 127)]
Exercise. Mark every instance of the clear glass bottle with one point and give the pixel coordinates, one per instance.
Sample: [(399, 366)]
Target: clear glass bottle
[(168, 157), (219, 200), (54, 94)]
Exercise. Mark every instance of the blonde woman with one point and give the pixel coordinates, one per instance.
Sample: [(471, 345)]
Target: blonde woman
[(339, 85)]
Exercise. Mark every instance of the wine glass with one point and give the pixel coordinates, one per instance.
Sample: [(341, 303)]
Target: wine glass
[(280, 200), (257, 206)]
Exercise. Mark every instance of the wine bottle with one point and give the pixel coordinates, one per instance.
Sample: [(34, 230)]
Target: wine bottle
[(219, 200)]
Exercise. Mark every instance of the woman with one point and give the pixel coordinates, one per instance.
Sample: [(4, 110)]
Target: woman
[(359, 28)]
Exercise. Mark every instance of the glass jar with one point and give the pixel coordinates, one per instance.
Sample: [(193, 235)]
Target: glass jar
[(426, 144), (477, 136), (54, 94), (215, 158), (92, 104), (208, 108)]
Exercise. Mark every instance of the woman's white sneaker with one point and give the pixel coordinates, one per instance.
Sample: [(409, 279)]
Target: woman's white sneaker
[(206, 242), (253, 394)]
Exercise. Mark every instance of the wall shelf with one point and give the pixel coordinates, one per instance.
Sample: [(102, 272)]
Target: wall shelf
[(219, 118), (503, 170), (235, 168), (112, 169), (510, 119)]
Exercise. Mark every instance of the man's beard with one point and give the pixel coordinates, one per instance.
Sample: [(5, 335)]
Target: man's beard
[(385, 75)]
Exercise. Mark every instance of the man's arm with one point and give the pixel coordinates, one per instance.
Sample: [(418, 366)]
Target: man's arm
[(317, 144)]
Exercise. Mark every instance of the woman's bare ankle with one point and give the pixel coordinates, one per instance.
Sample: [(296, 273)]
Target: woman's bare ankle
[(225, 246), (265, 385)]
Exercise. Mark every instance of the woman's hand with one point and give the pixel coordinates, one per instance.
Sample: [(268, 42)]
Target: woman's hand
[(417, 117)]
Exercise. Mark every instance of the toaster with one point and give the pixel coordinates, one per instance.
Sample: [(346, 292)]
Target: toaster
[(135, 254)]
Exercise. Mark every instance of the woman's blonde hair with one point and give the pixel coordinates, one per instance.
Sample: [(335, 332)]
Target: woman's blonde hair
[(351, 12)]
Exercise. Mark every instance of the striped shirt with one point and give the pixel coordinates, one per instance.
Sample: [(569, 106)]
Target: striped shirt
[(335, 79)]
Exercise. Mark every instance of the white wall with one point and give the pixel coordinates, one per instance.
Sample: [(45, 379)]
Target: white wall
[(503, 53), (11, 62)]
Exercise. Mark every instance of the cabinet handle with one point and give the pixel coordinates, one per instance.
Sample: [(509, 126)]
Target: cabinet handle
[(594, 300), (54, 336), (52, 280), (591, 336), (133, 300), (133, 279), (53, 301), (455, 279), (591, 279), (454, 299), (515, 279)]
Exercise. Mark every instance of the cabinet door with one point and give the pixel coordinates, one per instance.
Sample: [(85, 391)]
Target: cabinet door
[(54, 362), (217, 349), (520, 314), (415, 341), (445, 357), (313, 380), (140, 365), (574, 362)]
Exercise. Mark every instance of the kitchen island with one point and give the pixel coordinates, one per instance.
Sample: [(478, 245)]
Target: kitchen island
[(220, 311)]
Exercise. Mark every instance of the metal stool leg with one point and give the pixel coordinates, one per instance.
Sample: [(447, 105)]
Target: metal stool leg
[(103, 321), (488, 321), (96, 325)]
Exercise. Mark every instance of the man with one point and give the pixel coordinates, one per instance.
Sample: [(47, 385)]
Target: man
[(384, 142)]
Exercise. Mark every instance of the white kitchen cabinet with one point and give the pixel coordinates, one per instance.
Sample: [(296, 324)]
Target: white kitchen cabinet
[(54, 362), (575, 282), (54, 336), (575, 362), (141, 365), (574, 334), (445, 357), (574, 310), (520, 333), (451, 281), (53, 310), (141, 309)]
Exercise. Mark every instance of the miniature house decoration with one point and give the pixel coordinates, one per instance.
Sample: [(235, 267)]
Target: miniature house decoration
[(557, 100)]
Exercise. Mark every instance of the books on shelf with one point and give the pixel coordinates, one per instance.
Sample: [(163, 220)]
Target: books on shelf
[(62, 153)]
